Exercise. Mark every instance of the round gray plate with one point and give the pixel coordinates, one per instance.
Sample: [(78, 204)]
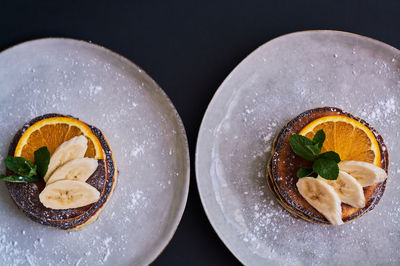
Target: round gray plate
[(144, 131), (279, 80)]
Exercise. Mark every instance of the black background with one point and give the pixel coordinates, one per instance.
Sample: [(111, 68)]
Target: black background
[(189, 47)]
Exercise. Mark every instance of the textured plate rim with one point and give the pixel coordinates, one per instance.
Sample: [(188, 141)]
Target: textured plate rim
[(202, 131), (181, 130)]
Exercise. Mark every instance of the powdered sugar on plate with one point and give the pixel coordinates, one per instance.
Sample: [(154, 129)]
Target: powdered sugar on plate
[(143, 130), (274, 84)]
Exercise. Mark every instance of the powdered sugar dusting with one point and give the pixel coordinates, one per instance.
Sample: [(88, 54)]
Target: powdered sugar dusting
[(260, 96), (93, 90), (143, 130), (384, 110), (137, 201), (106, 244), (139, 149)]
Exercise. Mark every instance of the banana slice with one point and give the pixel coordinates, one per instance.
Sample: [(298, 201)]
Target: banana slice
[(348, 189), (68, 194), (322, 197), (367, 174), (78, 169), (72, 149)]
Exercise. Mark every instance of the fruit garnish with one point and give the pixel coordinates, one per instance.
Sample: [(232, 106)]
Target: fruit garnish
[(66, 176), (54, 131), (79, 170), (366, 174), (324, 164), (322, 197), (348, 137), (69, 150), (67, 194), (326, 196), (348, 189), (26, 171)]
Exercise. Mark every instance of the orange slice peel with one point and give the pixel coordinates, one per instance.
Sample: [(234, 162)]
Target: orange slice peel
[(52, 132), (348, 137)]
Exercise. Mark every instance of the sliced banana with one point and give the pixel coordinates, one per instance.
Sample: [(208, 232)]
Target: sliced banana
[(367, 174), (67, 194), (322, 197), (72, 149), (348, 189), (78, 169)]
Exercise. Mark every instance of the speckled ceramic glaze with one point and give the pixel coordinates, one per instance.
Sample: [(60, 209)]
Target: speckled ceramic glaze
[(145, 134), (279, 80)]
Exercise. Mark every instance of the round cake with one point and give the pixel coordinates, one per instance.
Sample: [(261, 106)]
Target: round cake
[(284, 163), (52, 130)]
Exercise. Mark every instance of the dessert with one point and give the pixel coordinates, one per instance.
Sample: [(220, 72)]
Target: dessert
[(345, 179), (66, 171)]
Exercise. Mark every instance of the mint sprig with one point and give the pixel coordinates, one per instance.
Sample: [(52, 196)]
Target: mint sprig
[(324, 164), (42, 160), (20, 166), (26, 171), (326, 168), (303, 172)]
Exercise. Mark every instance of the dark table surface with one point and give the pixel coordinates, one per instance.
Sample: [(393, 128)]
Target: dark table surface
[(189, 47)]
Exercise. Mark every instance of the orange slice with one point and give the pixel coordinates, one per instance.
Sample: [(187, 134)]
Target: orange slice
[(52, 132), (348, 137)]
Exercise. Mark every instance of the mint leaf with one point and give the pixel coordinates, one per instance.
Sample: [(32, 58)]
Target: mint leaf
[(315, 149), (319, 139), (20, 166), (325, 164), (330, 155), (19, 179), (303, 172), (42, 159), (24, 170), (298, 144), (326, 168), (33, 171)]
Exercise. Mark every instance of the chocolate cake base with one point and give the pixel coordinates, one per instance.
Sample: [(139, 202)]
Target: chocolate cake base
[(26, 195)]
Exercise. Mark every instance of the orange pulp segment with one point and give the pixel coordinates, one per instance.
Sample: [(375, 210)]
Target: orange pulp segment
[(52, 132), (348, 137)]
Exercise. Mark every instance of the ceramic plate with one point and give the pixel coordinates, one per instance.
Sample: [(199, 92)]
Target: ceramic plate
[(145, 133), (279, 80)]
